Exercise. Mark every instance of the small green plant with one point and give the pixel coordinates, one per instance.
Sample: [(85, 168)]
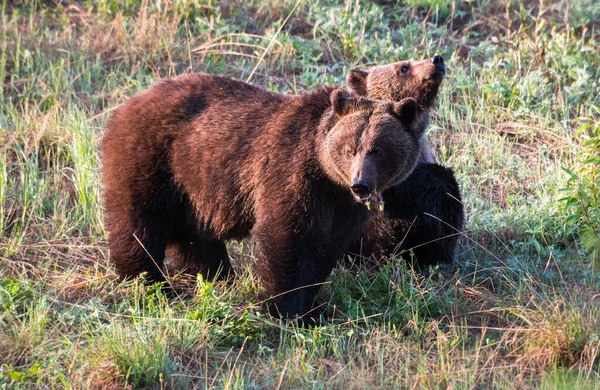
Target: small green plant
[(393, 294), (15, 295), (232, 325), (29, 374), (583, 186), (435, 7)]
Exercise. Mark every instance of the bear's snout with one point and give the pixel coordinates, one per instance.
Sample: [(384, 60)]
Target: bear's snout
[(364, 177), (440, 67), (360, 188)]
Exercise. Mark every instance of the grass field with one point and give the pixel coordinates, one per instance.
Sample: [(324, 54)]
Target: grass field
[(519, 310)]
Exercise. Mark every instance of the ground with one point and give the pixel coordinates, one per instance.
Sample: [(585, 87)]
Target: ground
[(520, 309)]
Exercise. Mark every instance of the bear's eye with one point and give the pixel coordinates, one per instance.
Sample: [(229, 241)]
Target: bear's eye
[(404, 68), (375, 151)]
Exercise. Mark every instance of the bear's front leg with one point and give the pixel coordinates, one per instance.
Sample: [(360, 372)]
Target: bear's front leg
[(292, 265)]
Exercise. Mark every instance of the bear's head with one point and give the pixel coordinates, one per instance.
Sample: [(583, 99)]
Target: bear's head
[(369, 145), (394, 82)]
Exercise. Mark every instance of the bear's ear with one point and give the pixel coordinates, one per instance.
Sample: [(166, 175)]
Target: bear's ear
[(406, 110), (357, 81), (343, 102)]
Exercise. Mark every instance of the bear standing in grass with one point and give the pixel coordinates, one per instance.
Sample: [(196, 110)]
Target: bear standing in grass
[(423, 213), (200, 159)]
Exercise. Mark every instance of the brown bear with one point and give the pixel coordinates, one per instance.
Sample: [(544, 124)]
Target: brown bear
[(200, 159), (393, 82), (425, 212)]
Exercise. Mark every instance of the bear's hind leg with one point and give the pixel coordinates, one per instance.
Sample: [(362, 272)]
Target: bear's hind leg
[(216, 262), (137, 247), (198, 253)]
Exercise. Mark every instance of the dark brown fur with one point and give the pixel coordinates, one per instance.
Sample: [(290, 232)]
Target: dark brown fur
[(200, 159), (423, 213)]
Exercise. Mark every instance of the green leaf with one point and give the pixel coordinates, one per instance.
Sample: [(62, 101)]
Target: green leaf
[(538, 247), (16, 376), (572, 202), (572, 219), (582, 128), (570, 172)]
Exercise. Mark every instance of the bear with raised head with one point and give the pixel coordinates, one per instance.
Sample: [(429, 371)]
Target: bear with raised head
[(393, 82), (424, 213), (200, 159)]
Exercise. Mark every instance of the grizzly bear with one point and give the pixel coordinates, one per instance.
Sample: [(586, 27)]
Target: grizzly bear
[(200, 159), (425, 212), (393, 82)]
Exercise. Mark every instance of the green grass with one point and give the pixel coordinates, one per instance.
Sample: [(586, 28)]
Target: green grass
[(520, 310)]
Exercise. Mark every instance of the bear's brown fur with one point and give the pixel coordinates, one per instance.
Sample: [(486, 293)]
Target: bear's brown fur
[(200, 159), (423, 213), (393, 82)]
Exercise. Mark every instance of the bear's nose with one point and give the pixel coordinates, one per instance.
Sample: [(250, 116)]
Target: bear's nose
[(360, 188), (438, 61)]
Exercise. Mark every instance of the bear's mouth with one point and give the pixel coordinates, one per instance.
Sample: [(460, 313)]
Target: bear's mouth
[(437, 75), (372, 200)]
